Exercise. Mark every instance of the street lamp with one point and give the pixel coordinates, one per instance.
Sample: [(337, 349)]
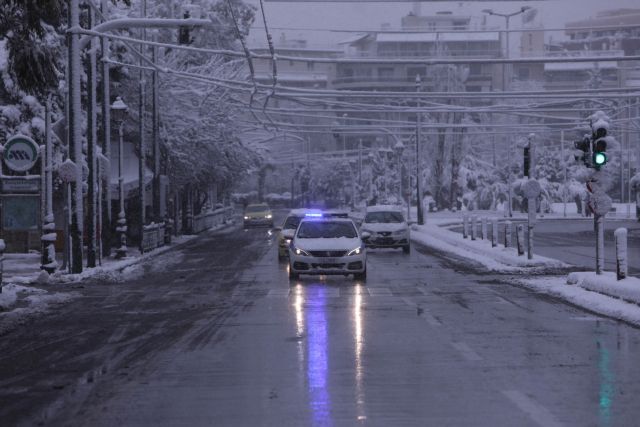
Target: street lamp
[(344, 136), (119, 112), (399, 149), (418, 125)]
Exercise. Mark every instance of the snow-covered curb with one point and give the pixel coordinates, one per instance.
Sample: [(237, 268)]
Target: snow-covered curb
[(593, 301), (606, 283), (495, 259)]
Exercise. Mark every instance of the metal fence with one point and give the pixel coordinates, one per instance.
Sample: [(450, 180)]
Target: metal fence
[(205, 221), (153, 236)]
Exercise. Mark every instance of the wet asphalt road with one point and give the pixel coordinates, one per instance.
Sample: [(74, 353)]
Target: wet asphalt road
[(218, 336)]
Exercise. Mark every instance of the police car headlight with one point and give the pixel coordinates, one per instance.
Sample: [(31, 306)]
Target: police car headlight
[(299, 251), (246, 217), (269, 216), (356, 251)]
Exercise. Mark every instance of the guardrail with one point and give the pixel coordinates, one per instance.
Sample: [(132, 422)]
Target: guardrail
[(205, 221)]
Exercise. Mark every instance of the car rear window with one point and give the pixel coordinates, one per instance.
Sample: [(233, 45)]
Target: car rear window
[(384, 217), (326, 230)]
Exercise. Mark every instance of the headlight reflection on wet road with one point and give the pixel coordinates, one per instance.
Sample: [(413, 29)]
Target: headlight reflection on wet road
[(317, 360)]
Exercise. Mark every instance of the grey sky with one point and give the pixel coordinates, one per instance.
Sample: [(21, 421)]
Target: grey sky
[(552, 14)]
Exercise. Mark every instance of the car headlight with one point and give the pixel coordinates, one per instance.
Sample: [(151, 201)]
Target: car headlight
[(246, 217), (401, 231), (299, 251), (287, 241), (355, 251), (268, 216)]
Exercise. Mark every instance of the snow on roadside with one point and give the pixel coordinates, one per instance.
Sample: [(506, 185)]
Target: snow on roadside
[(593, 301), (606, 283), (494, 259), (18, 303)]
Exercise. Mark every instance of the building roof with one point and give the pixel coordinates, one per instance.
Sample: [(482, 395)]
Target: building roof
[(444, 37)]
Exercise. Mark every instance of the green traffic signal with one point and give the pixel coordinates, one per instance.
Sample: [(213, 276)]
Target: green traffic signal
[(599, 159)]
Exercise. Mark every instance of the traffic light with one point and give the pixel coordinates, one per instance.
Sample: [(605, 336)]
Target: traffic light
[(584, 145), (599, 128), (184, 36)]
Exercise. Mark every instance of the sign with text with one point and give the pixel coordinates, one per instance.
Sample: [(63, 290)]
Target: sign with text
[(21, 185), (20, 153)]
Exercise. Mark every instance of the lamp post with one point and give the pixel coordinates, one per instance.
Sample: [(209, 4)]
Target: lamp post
[(119, 109), (344, 137), (399, 149), (418, 125), (505, 68)]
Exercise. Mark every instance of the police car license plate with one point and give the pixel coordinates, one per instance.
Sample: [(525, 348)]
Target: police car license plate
[(331, 260)]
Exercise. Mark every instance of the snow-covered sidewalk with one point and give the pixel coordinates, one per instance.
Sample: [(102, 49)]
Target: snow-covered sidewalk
[(602, 294)]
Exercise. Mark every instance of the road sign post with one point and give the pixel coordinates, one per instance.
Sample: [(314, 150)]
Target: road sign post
[(532, 191), (599, 204)]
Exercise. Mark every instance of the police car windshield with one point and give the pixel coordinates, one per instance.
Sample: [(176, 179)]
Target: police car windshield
[(291, 223), (384, 217), (326, 230)]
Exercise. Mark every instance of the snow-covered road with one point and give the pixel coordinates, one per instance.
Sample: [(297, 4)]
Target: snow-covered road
[(218, 336)]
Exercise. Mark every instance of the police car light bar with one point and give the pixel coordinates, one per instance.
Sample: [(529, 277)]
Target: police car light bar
[(313, 215)]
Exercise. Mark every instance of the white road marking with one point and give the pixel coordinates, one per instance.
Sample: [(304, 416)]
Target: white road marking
[(537, 412), (278, 293), (379, 292), (466, 351)]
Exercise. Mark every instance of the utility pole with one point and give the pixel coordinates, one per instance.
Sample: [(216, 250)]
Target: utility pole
[(418, 125), (92, 137), (75, 137), (156, 138), (106, 140), (141, 130)]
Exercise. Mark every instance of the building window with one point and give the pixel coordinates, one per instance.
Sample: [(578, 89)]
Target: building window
[(385, 72), (475, 69), (523, 73), (310, 66)]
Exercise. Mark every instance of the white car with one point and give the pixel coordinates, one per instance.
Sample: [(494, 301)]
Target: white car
[(327, 245), (387, 228)]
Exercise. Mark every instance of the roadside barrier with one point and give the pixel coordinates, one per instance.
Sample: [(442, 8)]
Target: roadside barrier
[(520, 239), (483, 229), (508, 234), (494, 232), (621, 253), (205, 221), (474, 227), (465, 226), (153, 236)]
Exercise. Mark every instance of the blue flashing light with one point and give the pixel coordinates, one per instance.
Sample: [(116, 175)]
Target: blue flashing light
[(313, 215)]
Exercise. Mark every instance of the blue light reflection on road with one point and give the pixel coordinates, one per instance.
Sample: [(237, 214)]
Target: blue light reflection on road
[(317, 358)]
